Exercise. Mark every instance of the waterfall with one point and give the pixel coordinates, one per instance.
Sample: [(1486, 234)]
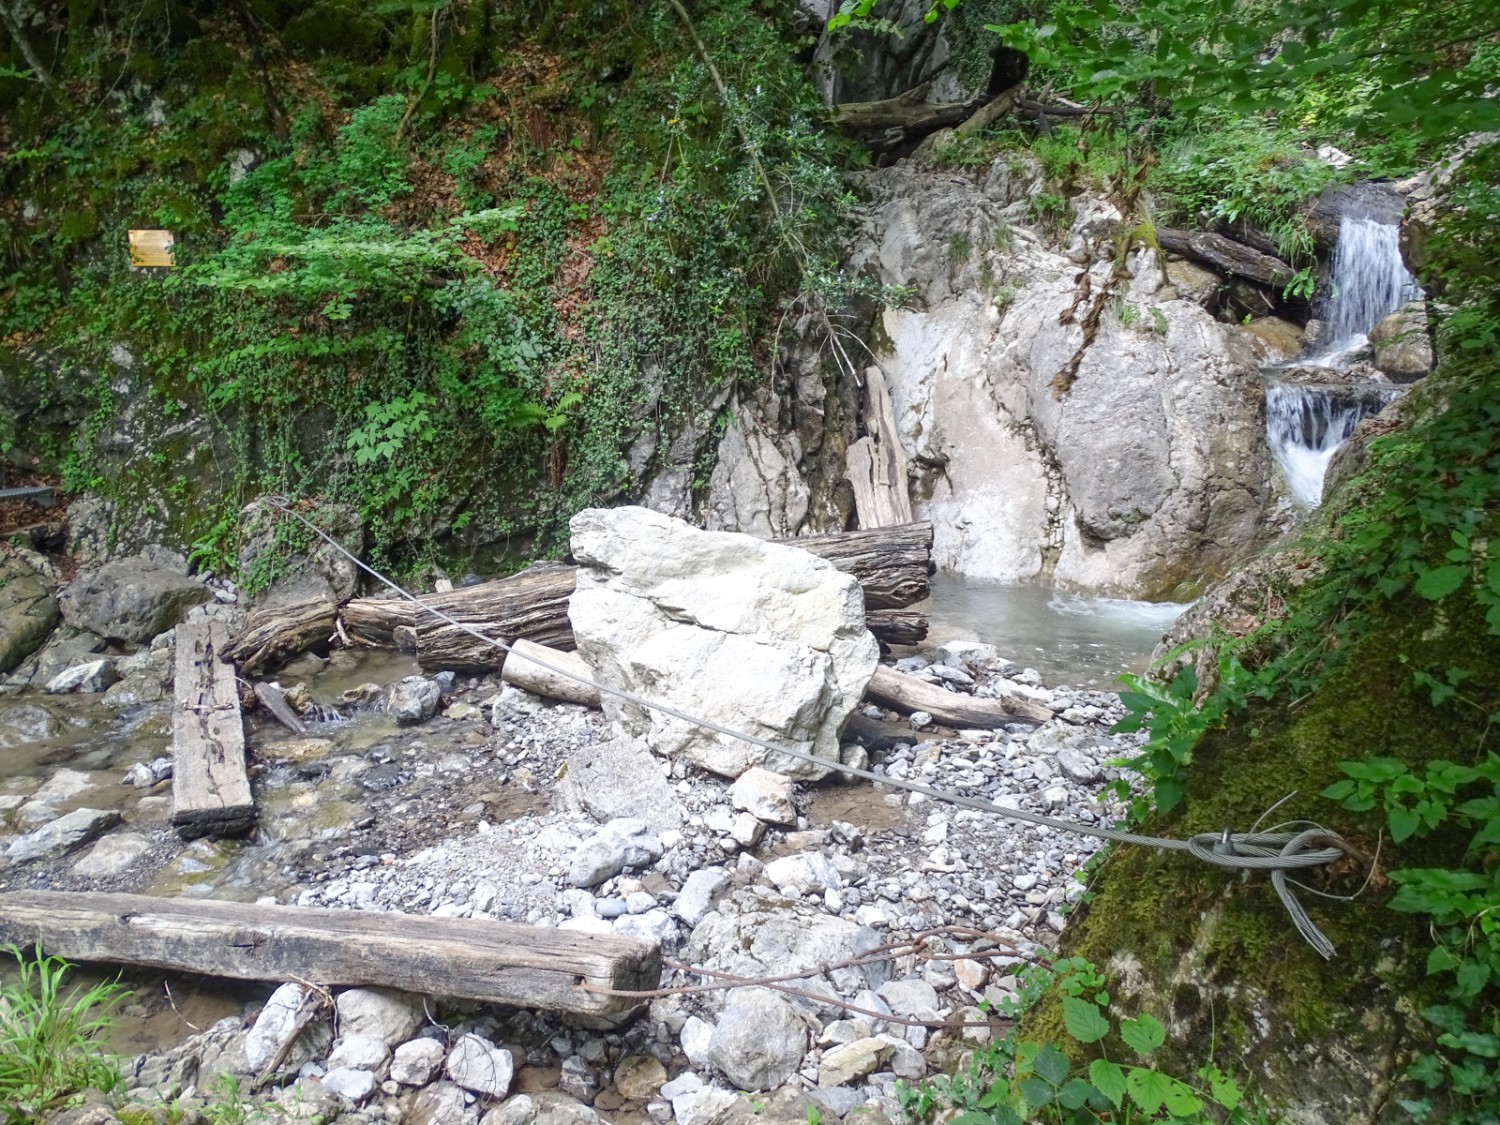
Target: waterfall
[(1305, 424), (1369, 280)]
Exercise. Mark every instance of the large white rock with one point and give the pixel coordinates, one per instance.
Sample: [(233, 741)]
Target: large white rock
[(754, 636), (759, 1041)]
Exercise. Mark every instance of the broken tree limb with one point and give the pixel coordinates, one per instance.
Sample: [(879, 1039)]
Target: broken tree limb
[(906, 694), (470, 958), (210, 788), (273, 699), (987, 114), (892, 564), (524, 673), (877, 463), (276, 632), (1227, 256)]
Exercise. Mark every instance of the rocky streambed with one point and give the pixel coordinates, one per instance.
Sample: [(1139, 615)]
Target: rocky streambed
[(462, 797)]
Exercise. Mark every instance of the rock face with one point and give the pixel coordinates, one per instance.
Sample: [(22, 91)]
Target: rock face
[(28, 612), (753, 636), (1150, 470), (130, 600), (1403, 351)]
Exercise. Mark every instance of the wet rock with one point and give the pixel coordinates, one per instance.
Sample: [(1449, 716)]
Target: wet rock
[(478, 1065), (639, 1077), (759, 1041), (72, 830), (1403, 350), (130, 600), (413, 700), (578, 1080), (297, 750), (111, 855), (853, 1060), (28, 612), (619, 844), (775, 638), (765, 795), (94, 676), (415, 1062)]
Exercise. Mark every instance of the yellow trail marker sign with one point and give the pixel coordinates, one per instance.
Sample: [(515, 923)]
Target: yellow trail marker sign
[(152, 248)]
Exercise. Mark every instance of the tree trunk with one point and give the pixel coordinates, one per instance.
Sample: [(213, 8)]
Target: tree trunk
[(524, 673), (279, 631), (1227, 256), (907, 694)]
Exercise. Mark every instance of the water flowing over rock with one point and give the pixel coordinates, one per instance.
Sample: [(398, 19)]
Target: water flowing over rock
[(750, 635), (1306, 424), (1150, 471)]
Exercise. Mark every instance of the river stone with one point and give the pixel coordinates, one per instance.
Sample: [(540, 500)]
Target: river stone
[(759, 1041), (619, 778), (765, 795), (754, 636), (807, 871), (478, 1065), (1403, 350), (380, 1014), (415, 1062), (72, 830), (28, 612), (442, 1103), (358, 1052), (130, 600), (913, 998), (111, 855), (94, 676), (700, 892), (356, 1085), (274, 1026), (853, 1060), (519, 1110), (772, 938), (706, 1106), (297, 750), (413, 700), (619, 844), (638, 1077), (556, 1108)]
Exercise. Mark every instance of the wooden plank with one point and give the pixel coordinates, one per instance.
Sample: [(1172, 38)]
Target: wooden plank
[(210, 788), (470, 958), (906, 694), (273, 699)]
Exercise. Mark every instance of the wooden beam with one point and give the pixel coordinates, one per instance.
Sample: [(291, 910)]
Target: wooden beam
[(210, 788), (906, 694), (469, 958)]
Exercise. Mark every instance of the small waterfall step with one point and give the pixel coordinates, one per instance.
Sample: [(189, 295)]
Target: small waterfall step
[(1367, 282), (1307, 422)]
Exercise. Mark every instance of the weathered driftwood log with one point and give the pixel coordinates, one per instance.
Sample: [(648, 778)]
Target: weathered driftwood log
[(210, 788), (276, 632), (907, 118), (904, 693), (475, 959), (273, 699), (892, 564), (876, 463), (897, 626), (1227, 255), (523, 673)]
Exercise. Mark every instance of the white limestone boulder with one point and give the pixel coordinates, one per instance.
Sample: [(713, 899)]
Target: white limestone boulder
[(750, 635)]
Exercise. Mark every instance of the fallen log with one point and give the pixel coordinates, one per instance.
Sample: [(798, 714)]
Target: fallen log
[(273, 699), (470, 958), (892, 564), (524, 673), (906, 694), (1227, 256), (276, 632), (210, 788)]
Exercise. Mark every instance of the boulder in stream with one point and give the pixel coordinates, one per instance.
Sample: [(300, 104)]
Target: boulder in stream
[(130, 600), (754, 636), (28, 612)]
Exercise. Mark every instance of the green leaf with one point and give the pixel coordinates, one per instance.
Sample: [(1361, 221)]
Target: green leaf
[(1440, 581), (1148, 1089), (1083, 1020), (1404, 822), (1143, 1034), (1075, 1094), (1109, 1079), (1440, 960), (1052, 1065), (1037, 1092)]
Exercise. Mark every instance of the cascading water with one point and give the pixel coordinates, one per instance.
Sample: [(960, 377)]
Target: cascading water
[(1368, 281), (1306, 423)]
